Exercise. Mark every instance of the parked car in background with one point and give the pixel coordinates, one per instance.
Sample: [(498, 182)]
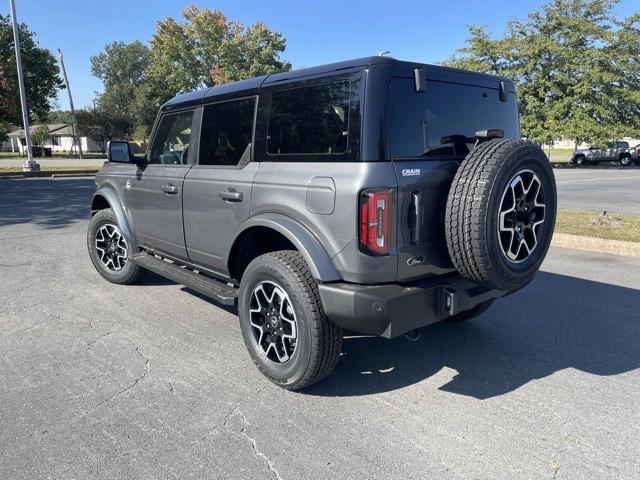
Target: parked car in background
[(634, 153), (611, 152)]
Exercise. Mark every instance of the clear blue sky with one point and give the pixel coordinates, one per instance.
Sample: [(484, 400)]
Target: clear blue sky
[(316, 32)]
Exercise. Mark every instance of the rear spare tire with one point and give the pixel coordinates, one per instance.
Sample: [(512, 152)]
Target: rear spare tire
[(500, 213)]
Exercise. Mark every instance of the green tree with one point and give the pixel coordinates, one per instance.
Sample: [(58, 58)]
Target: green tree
[(103, 125), (4, 130), (121, 68), (575, 65), (205, 50), (40, 71), (39, 135)]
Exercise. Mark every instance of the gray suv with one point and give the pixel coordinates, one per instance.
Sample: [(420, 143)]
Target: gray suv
[(611, 152), (373, 196)]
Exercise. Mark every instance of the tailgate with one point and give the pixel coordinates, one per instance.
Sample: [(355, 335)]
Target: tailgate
[(423, 187)]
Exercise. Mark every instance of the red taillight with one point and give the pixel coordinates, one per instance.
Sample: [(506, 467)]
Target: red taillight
[(375, 216)]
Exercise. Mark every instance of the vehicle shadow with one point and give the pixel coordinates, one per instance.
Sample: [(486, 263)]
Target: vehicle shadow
[(52, 203), (557, 322)]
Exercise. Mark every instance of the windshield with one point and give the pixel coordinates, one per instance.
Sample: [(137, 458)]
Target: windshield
[(442, 121)]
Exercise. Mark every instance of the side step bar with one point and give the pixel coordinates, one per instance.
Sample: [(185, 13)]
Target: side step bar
[(207, 286)]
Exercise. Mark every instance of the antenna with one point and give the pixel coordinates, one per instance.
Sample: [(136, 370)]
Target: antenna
[(383, 53)]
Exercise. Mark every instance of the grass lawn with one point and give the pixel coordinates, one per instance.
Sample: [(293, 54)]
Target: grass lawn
[(589, 224), (559, 154)]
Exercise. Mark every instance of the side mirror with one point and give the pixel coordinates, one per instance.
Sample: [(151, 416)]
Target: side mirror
[(119, 152)]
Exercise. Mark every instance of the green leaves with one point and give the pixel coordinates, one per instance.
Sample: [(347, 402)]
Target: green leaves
[(41, 75), (576, 68), (203, 50)]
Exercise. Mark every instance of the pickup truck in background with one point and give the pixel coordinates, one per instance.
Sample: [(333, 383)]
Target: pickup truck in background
[(611, 152)]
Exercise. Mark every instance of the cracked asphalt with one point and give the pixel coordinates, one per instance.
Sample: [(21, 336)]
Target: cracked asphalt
[(100, 381)]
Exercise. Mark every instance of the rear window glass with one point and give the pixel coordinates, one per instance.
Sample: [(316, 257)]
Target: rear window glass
[(312, 120), (442, 120), (226, 132)]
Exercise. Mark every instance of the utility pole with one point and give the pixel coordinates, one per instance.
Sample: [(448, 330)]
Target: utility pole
[(30, 165), (74, 125)]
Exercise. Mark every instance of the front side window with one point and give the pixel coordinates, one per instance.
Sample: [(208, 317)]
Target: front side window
[(311, 120), (442, 120), (171, 142), (226, 133)]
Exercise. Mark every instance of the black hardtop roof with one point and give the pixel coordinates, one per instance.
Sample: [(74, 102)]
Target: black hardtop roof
[(252, 86)]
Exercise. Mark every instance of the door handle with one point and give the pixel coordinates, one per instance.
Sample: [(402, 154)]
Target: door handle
[(169, 189), (231, 195)]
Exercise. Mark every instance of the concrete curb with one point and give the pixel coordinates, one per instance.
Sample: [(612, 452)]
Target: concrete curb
[(46, 173), (598, 245)]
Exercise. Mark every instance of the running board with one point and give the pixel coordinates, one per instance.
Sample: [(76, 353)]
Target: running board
[(207, 286)]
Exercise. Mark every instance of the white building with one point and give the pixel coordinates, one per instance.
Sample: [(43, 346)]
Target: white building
[(61, 140)]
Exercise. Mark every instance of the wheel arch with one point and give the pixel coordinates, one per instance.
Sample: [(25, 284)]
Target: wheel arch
[(278, 232), (106, 197)]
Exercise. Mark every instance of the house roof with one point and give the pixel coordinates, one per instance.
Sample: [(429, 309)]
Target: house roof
[(57, 129)]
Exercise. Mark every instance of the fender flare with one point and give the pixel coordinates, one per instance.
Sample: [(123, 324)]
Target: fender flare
[(112, 198), (320, 264)]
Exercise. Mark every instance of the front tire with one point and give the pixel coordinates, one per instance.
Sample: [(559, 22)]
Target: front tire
[(626, 161), (283, 324), (109, 250)]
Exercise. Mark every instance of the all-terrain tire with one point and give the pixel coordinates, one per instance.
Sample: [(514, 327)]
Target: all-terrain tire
[(473, 209), (319, 341), (129, 273)]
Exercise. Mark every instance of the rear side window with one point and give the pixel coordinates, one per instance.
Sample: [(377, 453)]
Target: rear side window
[(311, 120), (442, 120), (226, 133)]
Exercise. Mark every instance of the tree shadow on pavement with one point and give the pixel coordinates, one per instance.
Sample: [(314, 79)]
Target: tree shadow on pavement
[(52, 203), (557, 322)]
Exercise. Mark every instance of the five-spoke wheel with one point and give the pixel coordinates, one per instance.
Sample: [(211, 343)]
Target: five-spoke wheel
[(274, 321), (522, 214), (111, 247)]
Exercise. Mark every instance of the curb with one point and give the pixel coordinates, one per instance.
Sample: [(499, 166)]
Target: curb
[(52, 173), (597, 245)]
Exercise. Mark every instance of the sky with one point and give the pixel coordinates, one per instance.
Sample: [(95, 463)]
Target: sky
[(317, 32)]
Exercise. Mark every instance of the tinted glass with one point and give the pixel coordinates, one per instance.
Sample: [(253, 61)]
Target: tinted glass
[(443, 119), (227, 129), (171, 141), (310, 120)]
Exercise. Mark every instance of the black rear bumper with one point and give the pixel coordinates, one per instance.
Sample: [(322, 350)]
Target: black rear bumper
[(390, 310)]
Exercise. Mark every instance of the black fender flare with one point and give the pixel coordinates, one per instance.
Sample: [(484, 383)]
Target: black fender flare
[(112, 198), (320, 264)]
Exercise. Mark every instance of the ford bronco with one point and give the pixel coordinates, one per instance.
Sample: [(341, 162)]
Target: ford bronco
[(373, 196)]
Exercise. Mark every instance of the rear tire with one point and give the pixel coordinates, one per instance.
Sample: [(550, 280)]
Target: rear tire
[(626, 161), (276, 292), (500, 214)]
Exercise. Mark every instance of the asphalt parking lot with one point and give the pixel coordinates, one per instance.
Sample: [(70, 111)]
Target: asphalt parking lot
[(616, 190), (152, 381)]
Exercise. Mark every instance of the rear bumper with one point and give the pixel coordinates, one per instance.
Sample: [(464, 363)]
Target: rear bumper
[(390, 310)]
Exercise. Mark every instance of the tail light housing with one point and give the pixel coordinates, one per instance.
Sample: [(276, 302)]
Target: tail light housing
[(375, 221)]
